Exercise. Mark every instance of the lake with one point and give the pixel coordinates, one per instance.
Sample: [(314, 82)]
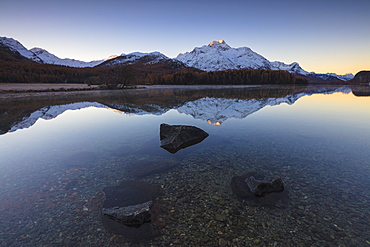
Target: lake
[(63, 153)]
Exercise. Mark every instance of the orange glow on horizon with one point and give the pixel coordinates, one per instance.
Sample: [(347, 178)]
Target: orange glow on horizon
[(216, 123), (115, 110)]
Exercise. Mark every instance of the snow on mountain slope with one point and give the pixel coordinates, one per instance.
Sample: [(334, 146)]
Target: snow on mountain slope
[(131, 109), (49, 58), (345, 77), (152, 57), (217, 110), (51, 112), (220, 56), (14, 45), (292, 68), (215, 56), (42, 56)]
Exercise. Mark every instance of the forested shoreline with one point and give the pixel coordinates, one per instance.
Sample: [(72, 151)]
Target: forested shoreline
[(32, 72), (234, 77)]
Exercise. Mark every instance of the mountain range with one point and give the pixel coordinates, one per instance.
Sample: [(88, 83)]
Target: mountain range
[(216, 56)]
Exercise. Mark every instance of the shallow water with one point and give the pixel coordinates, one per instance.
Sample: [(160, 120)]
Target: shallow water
[(58, 154)]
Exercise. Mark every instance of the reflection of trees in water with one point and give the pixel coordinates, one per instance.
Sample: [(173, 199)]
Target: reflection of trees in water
[(171, 97), (13, 110), (361, 90)]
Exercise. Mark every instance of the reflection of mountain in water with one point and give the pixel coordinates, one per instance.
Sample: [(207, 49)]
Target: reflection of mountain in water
[(218, 110), (139, 110), (51, 112), (212, 104)]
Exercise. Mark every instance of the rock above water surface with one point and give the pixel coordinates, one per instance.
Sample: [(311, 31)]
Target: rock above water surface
[(176, 137), (265, 186)]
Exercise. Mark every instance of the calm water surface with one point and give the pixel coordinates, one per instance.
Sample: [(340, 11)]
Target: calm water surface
[(58, 153)]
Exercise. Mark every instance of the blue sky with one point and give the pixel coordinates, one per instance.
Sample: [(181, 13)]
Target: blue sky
[(322, 36)]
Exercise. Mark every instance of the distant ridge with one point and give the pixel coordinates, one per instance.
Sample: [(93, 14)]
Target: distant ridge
[(49, 58), (42, 56), (216, 56)]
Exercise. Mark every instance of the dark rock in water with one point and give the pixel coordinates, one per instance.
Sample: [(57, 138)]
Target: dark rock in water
[(79, 160), (133, 216), (266, 186), (127, 209), (145, 168), (241, 189), (176, 137)]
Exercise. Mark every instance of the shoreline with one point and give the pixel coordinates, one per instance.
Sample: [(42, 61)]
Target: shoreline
[(43, 87)]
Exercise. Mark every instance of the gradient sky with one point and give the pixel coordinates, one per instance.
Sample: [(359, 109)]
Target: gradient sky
[(322, 36)]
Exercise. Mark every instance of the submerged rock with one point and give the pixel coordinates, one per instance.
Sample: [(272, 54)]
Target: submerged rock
[(241, 189), (127, 209), (133, 215), (176, 137), (266, 186)]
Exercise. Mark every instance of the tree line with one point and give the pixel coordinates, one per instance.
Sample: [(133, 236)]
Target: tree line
[(17, 70), (233, 77)]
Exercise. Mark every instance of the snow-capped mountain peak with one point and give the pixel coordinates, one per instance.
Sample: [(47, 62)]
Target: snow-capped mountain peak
[(43, 56), (49, 58), (219, 43), (137, 55), (292, 68), (152, 58), (215, 42), (110, 57), (38, 50), (16, 46), (215, 56), (218, 55)]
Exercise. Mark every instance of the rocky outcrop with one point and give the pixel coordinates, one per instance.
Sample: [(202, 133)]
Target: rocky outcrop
[(176, 137), (265, 186)]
